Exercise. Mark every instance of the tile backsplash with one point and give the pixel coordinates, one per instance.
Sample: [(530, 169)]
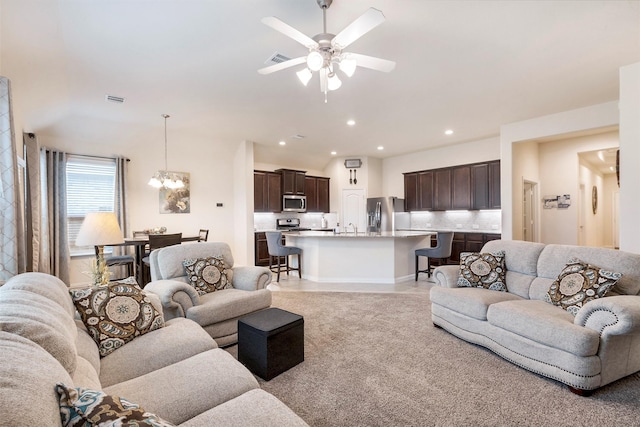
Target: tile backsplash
[(489, 220), (486, 220), (267, 221)]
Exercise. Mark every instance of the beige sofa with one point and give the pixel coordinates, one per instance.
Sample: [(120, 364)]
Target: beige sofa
[(217, 312), (596, 347), (176, 372)]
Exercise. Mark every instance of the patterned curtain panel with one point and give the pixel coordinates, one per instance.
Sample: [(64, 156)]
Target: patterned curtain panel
[(48, 244), (12, 259)]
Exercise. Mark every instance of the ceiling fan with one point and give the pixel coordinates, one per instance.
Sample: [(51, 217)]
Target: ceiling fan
[(326, 50)]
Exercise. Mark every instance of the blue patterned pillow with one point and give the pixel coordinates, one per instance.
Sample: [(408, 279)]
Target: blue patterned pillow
[(82, 407), (483, 270)]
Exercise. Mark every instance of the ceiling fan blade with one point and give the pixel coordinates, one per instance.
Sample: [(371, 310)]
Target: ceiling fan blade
[(362, 25), (281, 66), (289, 31), (372, 62)]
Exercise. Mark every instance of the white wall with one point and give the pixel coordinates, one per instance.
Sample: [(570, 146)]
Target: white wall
[(525, 165), (450, 155), (606, 205), (588, 118), (629, 157), (560, 174)]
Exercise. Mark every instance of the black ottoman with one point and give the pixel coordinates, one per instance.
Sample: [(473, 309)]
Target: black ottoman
[(270, 341)]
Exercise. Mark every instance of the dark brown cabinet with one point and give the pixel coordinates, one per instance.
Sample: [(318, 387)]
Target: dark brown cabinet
[(293, 181), (494, 185), (267, 196), (474, 186), (442, 189), (461, 187), (261, 249), (465, 242), (316, 188), (480, 190), (485, 181), (411, 191)]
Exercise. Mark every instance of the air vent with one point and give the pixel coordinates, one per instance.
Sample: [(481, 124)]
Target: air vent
[(276, 58), (298, 136), (113, 98)]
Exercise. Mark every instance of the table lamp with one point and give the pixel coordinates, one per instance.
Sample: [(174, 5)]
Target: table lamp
[(99, 229)]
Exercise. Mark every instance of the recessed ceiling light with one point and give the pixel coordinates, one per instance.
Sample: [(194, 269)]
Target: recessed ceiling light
[(380, 147), (333, 153), (351, 122), (282, 143), (448, 132)]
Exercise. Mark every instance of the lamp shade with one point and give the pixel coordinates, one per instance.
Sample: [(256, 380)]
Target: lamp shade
[(99, 229)]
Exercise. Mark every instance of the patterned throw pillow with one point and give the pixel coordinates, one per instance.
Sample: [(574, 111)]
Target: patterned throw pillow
[(82, 407), (483, 270), (115, 313), (578, 283), (208, 274)]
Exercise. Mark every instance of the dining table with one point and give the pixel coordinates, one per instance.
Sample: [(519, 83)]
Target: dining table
[(140, 243)]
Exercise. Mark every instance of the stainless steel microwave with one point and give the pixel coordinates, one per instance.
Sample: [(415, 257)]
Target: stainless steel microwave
[(294, 203)]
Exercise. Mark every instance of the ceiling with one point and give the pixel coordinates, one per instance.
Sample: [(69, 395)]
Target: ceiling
[(469, 66)]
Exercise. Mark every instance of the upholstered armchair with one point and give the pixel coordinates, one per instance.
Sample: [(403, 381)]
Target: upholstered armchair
[(217, 312)]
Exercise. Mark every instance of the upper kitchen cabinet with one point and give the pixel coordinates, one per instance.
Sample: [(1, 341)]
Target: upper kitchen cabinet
[(411, 191), (442, 189), (316, 188), (418, 191), (494, 185), (461, 187), (485, 179), (267, 196), (474, 186), (293, 181)]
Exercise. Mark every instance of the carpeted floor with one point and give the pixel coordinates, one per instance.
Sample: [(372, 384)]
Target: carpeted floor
[(377, 360)]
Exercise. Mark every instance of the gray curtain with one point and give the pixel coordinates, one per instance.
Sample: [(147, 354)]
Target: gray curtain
[(121, 202), (47, 205), (12, 253)]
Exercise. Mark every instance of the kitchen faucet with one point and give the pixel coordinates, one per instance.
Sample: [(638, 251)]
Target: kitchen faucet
[(355, 228)]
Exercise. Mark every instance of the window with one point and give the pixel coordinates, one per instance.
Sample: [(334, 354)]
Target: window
[(90, 188)]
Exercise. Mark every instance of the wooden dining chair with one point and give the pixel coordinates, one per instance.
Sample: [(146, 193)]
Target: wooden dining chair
[(157, 241)]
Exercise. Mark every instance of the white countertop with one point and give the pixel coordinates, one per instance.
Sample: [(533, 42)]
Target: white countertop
[(351, 235), (456, 230)]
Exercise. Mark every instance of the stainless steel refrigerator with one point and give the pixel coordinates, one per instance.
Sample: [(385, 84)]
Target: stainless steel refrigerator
[(386, 214)]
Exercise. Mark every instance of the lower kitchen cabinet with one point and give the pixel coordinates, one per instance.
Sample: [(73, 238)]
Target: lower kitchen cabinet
[(261, 249), (465, 242)]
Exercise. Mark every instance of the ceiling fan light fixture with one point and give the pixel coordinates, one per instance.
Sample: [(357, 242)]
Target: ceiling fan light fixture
[(348, 66), (304, 76), (315, 61), (333, 83)]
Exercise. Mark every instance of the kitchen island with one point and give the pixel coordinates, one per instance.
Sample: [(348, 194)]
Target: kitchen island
[(386, 257)]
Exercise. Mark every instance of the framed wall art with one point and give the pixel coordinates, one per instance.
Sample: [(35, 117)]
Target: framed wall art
[(176, 200)]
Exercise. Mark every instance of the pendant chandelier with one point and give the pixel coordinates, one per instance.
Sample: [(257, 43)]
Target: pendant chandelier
[(164, 178)]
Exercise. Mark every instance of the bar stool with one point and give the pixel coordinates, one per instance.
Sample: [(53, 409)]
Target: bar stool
[(278, 250), (441, 250)]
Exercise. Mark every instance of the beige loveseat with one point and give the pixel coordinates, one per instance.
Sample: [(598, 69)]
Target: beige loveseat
[(176, 372), (596, 347), (217, 312)]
